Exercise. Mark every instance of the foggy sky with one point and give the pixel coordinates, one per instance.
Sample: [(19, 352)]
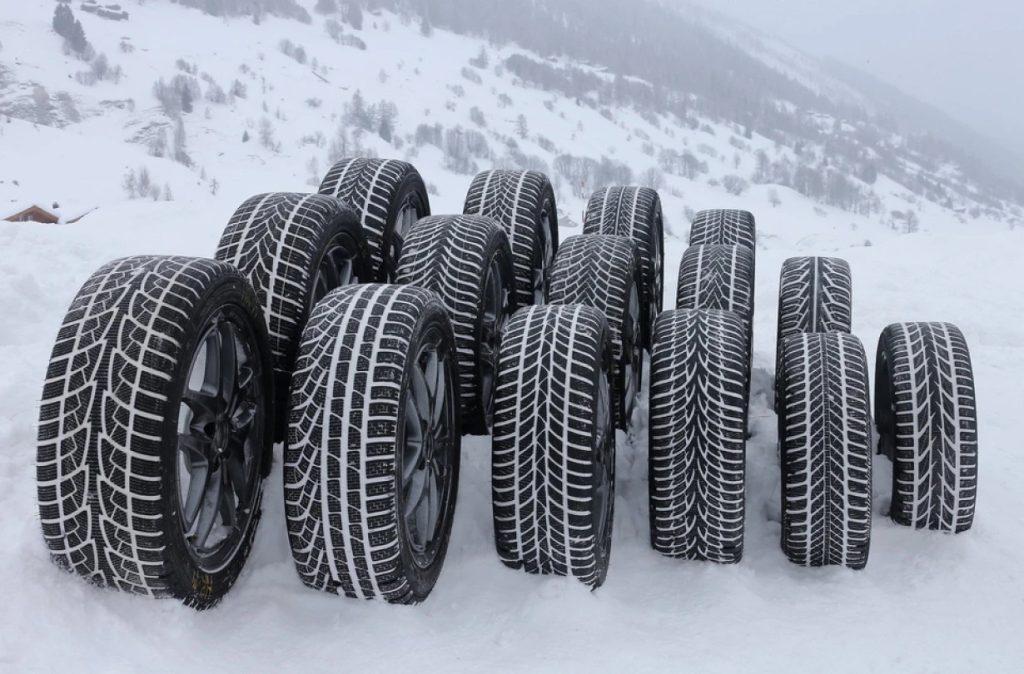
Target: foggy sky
[(965, 57)]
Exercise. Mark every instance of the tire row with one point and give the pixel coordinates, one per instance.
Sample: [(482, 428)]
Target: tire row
[(368, 337)]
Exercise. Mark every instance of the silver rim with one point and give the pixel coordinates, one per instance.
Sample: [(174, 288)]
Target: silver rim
[(219, 443), (336, 270), (495, 315), (427, 449)]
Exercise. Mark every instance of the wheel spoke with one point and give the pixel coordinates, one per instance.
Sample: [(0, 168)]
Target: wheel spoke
[(211, 349), (438, 388), (244, 416), (235, 470), (420, 393), (245, 378), (198, 448), (228, 361), (209, 508), (203, 406)]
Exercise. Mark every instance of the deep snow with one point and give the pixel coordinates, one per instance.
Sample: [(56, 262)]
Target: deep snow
[(926, 602)]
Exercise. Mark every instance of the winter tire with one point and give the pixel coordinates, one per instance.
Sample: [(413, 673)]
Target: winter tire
[(815, 295), (635, 212), (294, 249), (824, 438), (155, 429), (389, 196), (718, 277), (523, 202), (553, 462), (698, 435), (604, 272), (927, 424), (467, 262), (372, 464), (724, 227)]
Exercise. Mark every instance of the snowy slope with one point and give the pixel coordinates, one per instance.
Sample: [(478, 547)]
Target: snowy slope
[(926, 602)]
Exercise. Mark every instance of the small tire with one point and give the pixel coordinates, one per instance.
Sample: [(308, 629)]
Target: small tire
[(553, 460), (604, 272), (697, 435), (824, 442), (926, 416), (374, 421), (635, 212), (294, 249), (467, 262), (123, 429), (389, 195), (523, 202), (725, 227), (718, 277), (815, 295)]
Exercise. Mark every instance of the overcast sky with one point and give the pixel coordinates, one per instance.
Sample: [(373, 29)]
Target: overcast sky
[(964, 56)]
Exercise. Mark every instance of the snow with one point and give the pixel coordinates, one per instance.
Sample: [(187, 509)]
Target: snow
[(926, 602)]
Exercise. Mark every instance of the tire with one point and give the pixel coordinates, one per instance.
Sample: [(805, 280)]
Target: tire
[(604, 272), (467, 262), (718, 277), (697, 436), (815, 295), (553, 460), (927, 424), (523, 202), (724, 227), (294, 249), (124, 409), (354, 414), (389, 196), (635, 212), (824, 439)]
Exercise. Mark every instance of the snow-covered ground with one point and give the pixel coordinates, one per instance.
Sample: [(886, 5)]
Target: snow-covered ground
[(926, 602)]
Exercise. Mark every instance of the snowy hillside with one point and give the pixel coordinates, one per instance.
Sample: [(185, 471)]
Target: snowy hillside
[(266, 116)]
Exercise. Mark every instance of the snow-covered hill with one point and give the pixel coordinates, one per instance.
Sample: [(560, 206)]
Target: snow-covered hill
[(926, 602)]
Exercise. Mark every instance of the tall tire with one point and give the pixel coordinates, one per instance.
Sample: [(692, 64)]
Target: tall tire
[(389, 196), (553, 463), (372, 464), (825, 438), (815, 295), (697, 437), (724, 227), (294, 249), (604, 272), (927, 424), (523, 202), (155, 429), (635, 212), (467, 261), (718, 277)]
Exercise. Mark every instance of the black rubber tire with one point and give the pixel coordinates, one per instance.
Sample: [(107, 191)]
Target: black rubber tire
[(927, 423), (825, 449), (815, 295), (108, 453), (554, 443), (523, 202), (726, 227), (718, 277), (697, 435), (343, 488), (452, 255), (378, 190), (635, 212), (279, 242), (604, 272)]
